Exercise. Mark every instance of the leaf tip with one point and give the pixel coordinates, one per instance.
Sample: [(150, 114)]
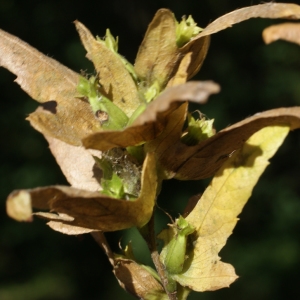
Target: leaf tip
[(18, 206)]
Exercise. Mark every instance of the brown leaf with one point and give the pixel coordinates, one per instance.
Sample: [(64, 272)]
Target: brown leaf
[(198, 46), (158, 53), (64, 116), (90, 210), (153, 120), (135, 279), (198, 49), (19, 207), (181, 74), (77, 164), (203, 160), (114, 77), (266, 10), (288, 31)]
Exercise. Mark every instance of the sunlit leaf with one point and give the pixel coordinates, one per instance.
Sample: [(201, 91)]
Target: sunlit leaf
[(215, 215), (19, 207), (90, 210), (267, 10), (62, 115), (289, 32), (77, 164), (157, 54), (154, 119), (136, 279), (198, 46), (117, 82), (203, 160)]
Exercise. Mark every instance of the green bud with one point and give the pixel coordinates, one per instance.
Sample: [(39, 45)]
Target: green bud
[(137, 152), (136, 113), (197, 131), (111, 42), (110, 115), (176, 248), (152, 92), (185, 30), (111, 183)]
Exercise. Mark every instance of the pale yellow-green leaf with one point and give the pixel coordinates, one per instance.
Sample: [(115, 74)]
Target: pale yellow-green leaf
[(215, 215)]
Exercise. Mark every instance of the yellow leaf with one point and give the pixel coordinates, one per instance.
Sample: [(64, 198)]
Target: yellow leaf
[(215, 215)]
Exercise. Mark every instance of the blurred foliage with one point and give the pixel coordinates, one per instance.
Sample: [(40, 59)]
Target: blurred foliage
[(37, 263)]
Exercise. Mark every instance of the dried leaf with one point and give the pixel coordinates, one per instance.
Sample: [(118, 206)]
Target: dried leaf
[(215, 215), (181, 75), (288, 31), (64, 116), (203, 160), (266, 10), (90, 210), (69, 229), (135, 279), (198, 49), (77, 164), (153, 120), (198, 46), (158, 53), (19, 207), (114, 77)]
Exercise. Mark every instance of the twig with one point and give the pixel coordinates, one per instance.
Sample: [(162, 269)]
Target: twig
[(149, 236), (100, 238)]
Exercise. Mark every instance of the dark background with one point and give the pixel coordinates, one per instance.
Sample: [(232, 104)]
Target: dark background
[(37, 263)]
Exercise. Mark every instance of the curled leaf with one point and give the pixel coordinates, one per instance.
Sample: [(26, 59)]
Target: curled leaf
[(153, 120), (197, 50), (267, 10), (90, 210), (19, 207), (215, 215), (77, 164), (289, 32), (136, 279), (62, 114), (203, 160)]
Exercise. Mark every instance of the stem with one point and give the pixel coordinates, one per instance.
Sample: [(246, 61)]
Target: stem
[(148, 234), (100, 238)]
